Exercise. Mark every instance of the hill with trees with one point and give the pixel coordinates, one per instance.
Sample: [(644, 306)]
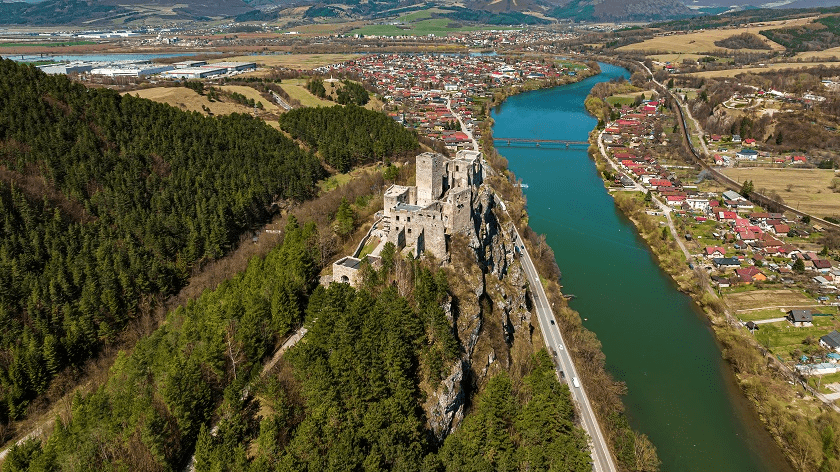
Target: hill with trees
[(108, 202), (346, 136), (160, 398), (346, 398), (822, 33)]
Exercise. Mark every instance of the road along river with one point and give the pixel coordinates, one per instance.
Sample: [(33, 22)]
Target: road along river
[(681, 393)]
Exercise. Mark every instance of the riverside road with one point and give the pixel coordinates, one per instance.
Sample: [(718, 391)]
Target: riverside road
[(601, 456)]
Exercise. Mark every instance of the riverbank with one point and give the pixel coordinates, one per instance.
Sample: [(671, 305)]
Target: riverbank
[(632, 449), (789, 416)]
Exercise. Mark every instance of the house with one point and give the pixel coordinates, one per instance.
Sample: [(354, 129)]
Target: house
[(747, 155), (714, 252), (822, 265), (780, 229), (749, 275), (726, 262), (722, 282), (731, 195), (697, 203), (831, 341), (744, 234), (800, 318), (817, 369), (824, 281), (725, 215)]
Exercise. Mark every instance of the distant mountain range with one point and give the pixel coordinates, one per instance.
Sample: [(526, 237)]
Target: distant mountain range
[(99, 13)]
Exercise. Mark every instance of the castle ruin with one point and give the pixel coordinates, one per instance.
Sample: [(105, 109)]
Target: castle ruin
[(422, 218)]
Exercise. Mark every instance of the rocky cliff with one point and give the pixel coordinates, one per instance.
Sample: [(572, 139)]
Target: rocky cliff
[(490, 312)]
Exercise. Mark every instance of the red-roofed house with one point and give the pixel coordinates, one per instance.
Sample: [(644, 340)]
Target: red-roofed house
[(726, 215), (714, 251), (780, 229), (745, 235), (822, 265), (749, 275), (660, 183)]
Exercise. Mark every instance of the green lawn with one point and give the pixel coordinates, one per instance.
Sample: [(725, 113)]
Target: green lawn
[(760, 314), (295, 89), (420, 28), (369, 247), (333, 182), (47, 45), (420, 14), (705, 229), (823, 381), (616, 100), (782, 338), (571, 65)]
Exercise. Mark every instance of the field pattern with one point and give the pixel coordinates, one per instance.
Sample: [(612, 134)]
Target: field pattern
[(769, 299), (767, 68), (186, 99), (293, 61), (704, 41), (805, 189)]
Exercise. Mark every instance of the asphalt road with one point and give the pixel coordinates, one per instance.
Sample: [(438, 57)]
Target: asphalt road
[(601, 457)]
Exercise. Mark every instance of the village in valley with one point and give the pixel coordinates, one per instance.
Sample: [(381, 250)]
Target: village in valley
[(425, 91), (770, 267)]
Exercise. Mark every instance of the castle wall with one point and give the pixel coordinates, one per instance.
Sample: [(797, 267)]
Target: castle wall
[(457, 210), (422, 216), (397, 194), (346, 270), (430, 177)]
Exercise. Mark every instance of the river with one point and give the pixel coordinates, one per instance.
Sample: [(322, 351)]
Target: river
[(681, 393)]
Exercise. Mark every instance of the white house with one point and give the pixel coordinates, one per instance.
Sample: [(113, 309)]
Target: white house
[(698, 203), (747, 155)]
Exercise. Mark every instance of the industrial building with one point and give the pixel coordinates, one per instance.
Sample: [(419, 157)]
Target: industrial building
[(68, 68), (131, 70), (234, 66), (189, 64), (194, 72)]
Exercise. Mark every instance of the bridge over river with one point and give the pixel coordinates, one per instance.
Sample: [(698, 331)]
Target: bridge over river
[(539, 142)]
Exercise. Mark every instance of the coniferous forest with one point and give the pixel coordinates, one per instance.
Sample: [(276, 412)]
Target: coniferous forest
[(346, 136), (109, 200), (345, 398)]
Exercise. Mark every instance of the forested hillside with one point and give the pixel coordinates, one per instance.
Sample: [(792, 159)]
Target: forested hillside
[(345, 398), (345, 136), (820, 34), (108, 201), (161, 397)]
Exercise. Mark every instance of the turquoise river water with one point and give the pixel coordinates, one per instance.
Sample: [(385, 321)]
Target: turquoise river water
[(681, 393)]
